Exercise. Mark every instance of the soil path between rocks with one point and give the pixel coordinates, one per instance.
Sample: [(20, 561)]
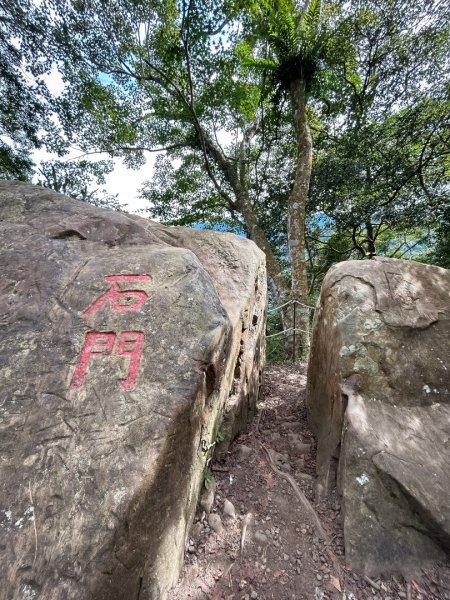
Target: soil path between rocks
[(254, 539)]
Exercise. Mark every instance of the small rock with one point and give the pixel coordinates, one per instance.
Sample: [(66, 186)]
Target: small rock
[(319, 577), (289, 425), (285, 556), (300, 463), (242, 584), (215, 522), (243, 452), (207, 496), (253, 595), (303, 448), (228, 509), (197, 529), (260, 537)]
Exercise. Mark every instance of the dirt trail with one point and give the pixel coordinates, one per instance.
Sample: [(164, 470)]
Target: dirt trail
[(273, 549)]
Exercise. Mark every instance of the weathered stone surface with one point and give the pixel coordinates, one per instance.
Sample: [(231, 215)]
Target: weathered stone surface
[(112, 390), (379, 402)]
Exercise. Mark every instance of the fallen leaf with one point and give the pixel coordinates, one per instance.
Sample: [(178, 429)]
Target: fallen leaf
[(336, 583)]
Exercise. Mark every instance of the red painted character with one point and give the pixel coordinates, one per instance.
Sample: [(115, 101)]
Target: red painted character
[(130, 344), (97, 344), (118, 298)]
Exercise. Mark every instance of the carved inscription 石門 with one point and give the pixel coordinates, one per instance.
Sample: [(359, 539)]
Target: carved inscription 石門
[(128, 344)]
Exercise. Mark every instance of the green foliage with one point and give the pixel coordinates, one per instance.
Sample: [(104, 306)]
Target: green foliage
[(26, 107), (440, 254), (275, 346), (144, 74), (14, 164), (219, 437), (199, 79), (284, 41), (382, 148), (207, 479), (181, 194)]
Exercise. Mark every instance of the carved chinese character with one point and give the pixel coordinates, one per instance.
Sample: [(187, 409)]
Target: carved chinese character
[(101, 343), (98, 344), (95, 344), (121, 299), (130, 344)]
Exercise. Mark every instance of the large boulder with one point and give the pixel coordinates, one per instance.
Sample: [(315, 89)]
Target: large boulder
[(379, 401), (123, 345)]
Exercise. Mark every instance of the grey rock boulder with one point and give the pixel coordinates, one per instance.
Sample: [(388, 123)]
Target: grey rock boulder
[(123, 346), (379, 401)]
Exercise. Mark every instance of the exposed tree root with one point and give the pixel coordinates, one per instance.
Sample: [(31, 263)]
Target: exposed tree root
[(300, 495)]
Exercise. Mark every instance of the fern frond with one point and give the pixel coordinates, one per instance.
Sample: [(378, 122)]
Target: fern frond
[(310, 21), (261, 64)]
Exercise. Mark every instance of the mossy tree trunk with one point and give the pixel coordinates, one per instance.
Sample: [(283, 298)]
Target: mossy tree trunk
[(297, 212)]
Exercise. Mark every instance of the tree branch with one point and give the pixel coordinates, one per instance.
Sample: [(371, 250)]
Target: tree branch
[(112, 151)]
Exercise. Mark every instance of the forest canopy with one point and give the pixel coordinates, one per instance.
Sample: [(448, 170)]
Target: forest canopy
[(320, 129)]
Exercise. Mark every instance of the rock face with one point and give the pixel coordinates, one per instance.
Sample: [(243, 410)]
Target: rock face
[(379, 402), (122, 345)]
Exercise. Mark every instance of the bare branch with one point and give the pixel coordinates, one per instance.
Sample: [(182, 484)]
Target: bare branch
[(112, 151), (356, 243)]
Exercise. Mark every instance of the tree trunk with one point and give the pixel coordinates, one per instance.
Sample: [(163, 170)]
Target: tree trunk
[(276, 280), (235, 175), (371, 250), (256, 234), (297, 212)]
